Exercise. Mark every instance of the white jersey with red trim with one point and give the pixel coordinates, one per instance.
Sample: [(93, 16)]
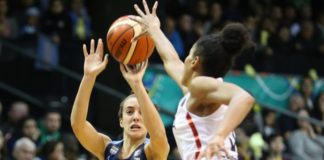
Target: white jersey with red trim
[(192, 133)]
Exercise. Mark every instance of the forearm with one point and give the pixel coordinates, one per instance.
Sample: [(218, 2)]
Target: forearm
[(81, 103), (150, 115), (238, 108)]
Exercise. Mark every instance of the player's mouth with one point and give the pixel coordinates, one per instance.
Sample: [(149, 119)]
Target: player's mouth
[(135, 127)]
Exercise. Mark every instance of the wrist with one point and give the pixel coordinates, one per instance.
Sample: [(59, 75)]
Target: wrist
[(153, 30), (89, 77), (134, 83)]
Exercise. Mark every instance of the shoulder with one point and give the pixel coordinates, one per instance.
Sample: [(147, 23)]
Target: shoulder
[(203, 84)]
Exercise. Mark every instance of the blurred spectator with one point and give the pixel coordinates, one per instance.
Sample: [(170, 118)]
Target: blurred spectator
[(52, 125), (8, 26), (290, 20), (187, 34), (27, 128), (174, 36), (201, 10), (3, 151), (215, 20), (24, 149), (276, 148), (306, 42), (242, 141), (18, 110), (288, 124), (306, 12), (56, 28), (21, 8), (81, 23), (318, 112), (320, 24), (304, 143), (30, 27), (53, 150), (270, 126), (71, 146), (251, 24), (282, 43), (276, 16), (56, 22), (307, 86)]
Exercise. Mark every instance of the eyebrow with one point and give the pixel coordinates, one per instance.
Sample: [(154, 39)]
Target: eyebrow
[(130, 107)]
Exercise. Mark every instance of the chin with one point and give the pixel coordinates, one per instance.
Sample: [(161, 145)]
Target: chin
[(137, 135)]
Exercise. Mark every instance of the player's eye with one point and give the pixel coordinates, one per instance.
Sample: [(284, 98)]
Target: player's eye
[(129, 112)]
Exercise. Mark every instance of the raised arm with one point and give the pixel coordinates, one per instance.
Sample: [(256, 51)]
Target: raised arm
[(87, 135), (151, 24), (158, 148), (211, 91)]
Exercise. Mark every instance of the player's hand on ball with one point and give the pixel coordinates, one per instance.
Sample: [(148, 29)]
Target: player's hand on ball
[(95, 62), (133, 73), (148, 20), (214, 148)]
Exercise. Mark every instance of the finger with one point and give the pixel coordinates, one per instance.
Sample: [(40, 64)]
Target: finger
[(92, 44), (85, 52), (127, 68), (100, 47), (209, 153), (105, 62), (137, 19), (147, 10), (133, 68), (139, 11), (144, 65), (122, 68), (154, 8)]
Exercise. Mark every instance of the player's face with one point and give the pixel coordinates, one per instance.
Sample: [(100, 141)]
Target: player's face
[(132, 120), (188, 68)]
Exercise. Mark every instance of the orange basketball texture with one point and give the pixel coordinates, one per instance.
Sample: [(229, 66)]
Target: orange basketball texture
[(119, 38)]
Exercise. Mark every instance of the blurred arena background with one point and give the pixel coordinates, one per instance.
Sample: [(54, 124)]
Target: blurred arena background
[(41, 65)]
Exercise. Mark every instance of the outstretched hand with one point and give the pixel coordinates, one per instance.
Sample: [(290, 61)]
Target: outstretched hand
[(148, 20), (94, 62), (133, 74), (214, 148)]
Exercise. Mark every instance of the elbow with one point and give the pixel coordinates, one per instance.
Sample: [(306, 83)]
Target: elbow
[(76, 127), (250, 100)]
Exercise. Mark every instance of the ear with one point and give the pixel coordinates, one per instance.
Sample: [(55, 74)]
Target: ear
[(194, 62), (121, 123)]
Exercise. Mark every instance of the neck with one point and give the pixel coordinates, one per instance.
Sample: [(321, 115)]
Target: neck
[(130, 145), (194, 75)]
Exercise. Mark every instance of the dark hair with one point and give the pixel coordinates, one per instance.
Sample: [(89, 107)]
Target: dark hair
[(132, 94), (120, 111), (52, 111), (49, 148), (218, 51)]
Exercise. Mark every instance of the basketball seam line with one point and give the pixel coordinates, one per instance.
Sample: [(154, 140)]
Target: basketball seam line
[(112, 48)]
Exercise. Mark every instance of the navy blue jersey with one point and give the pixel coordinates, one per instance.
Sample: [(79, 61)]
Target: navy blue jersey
[(114, 147)]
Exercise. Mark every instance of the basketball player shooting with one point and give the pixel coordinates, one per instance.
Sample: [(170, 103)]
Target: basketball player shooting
[(211, 108)]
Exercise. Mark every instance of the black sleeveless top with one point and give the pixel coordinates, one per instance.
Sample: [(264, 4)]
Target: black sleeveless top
[(114, 147)]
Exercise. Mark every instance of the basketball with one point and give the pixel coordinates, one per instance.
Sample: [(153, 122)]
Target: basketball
[(119, 44)]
